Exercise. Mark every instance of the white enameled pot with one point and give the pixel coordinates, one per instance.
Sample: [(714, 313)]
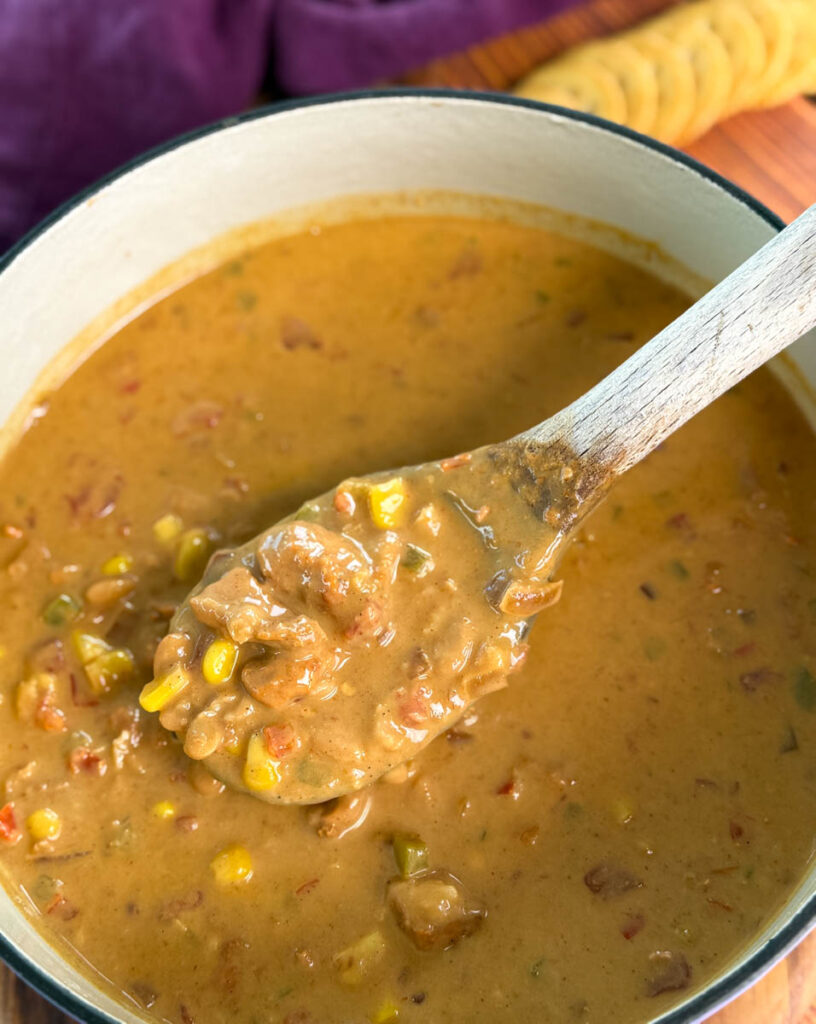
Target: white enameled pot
[(100, 248)]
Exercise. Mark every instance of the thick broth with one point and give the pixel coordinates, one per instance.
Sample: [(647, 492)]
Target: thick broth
[(628, 812)]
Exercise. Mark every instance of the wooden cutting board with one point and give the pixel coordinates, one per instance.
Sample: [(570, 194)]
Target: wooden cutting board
[(771, 154)]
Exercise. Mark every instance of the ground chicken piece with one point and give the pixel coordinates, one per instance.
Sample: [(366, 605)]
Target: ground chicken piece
[(343, 815), (282, 677), (434, 909), (306, 562), (610, 880), (237, 604)]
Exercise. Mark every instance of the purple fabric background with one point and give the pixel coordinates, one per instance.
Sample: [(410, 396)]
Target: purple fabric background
[(88, 84)]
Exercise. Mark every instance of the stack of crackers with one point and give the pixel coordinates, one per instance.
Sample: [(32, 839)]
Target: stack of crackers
[(675, 76)]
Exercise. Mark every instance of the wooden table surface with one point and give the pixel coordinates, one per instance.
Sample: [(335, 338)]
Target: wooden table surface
[(771, 154)]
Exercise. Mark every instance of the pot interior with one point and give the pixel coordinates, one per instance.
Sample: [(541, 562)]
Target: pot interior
[(169, 217)]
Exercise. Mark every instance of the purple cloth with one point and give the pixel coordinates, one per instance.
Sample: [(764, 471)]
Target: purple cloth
[(86, 85), (325, 45)]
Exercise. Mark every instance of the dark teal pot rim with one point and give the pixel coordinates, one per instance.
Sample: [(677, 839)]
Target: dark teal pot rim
[(736, 980)]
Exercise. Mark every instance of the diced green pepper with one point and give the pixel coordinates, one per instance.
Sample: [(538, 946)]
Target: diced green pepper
[(789, 742), (804, 689), (537, 967), (61, 610), (414, 558), (356, 961), (312, 772), (654, 647), (679, 570), (120, 834), (308, 513), (46, 887), (410, 853)]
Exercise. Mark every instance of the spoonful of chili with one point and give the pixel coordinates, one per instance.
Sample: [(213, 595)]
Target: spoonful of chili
[(330, 649)]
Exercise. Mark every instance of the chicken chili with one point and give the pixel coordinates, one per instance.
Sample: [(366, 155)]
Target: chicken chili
[(591, 842)]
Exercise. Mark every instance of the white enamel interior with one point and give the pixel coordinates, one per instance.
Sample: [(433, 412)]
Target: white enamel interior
[(155, 213)]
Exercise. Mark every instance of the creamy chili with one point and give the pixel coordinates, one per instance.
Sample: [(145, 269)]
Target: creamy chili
[(591, 842)]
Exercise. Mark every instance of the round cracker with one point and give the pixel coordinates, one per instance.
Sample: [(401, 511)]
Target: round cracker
[(776, 24), (580, 84), (713, 75), (746, 45), (800, 75), (637, 78), (676, 89)]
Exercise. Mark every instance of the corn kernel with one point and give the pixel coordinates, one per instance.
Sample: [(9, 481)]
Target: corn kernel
[(117, 565), (219, 661), (164, 810), (386, 1012), (260, 770), (158, 693), (110, 669), (167, 528), (233, 744), (232, 866), (623, 811), (87, 646), (194, 550), (387, 503), (44, 824)]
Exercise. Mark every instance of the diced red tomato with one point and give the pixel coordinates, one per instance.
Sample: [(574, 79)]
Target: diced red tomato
[(511, 788), (81, 759), (455, 461), (344, 503), (281, 740), (9, 833), (632, 925), (414, 706), (49, 718)]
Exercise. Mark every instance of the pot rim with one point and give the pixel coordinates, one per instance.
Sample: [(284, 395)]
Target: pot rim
[(744, 974)]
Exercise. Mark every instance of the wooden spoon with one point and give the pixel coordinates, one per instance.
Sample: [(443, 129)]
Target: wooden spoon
[(753, 314), (348, 661)]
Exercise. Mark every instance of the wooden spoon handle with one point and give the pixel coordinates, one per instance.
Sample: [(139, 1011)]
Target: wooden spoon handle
[(753, 314)]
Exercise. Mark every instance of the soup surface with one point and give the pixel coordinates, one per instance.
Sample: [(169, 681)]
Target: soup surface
[(589, 844)]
